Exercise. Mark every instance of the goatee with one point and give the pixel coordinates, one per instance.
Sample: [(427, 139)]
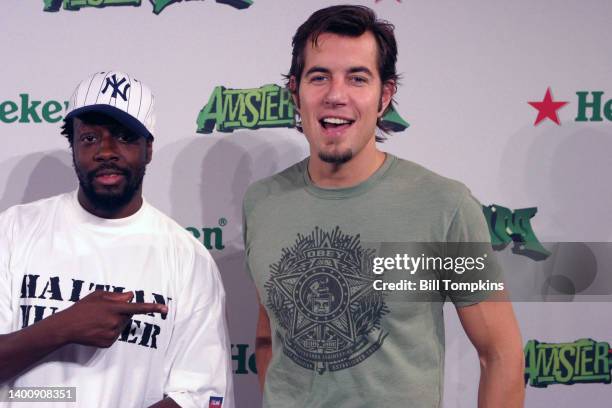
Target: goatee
[(110, 198), (336, 158)]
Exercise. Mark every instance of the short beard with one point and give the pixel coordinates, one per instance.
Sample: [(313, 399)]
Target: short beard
[(111, 201), (336, 158)]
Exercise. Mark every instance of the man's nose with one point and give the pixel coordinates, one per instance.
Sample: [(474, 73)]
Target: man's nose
[(336, 94), (107, 148)]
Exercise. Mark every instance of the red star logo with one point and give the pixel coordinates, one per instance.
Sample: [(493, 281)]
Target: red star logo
[(547, 108)]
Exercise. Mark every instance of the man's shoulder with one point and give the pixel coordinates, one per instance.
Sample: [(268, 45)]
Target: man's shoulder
[(270, 187), (415, 179), (32, 212), (39, 205), (192, 266), (176, 235)]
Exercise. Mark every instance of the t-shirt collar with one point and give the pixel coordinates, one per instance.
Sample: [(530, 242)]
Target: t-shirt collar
[(346, 192)]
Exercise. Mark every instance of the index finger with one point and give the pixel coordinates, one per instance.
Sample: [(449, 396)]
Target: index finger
[(141, 308)]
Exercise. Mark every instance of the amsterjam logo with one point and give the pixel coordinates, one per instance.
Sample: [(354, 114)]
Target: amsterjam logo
[(158, 5), (507, 226), (583, 361), (591, 107), (266, 107)]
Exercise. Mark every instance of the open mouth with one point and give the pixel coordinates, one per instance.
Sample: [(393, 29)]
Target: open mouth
[(335, 123)]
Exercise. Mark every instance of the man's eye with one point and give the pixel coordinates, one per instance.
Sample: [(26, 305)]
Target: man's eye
[(317, 78), (126, 137), (359, 80), (88, 138)]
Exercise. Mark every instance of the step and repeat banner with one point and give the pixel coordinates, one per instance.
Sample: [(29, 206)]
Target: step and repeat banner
[(514, 99)]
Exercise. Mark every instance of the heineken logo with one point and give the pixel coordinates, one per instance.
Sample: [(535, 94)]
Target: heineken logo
[(268, 106), (243, 359), (592, 106), (158, 5), (26, 109), (580, 362), (506, 226), (210, 237)]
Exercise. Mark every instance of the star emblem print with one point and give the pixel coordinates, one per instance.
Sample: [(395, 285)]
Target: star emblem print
[(547, 108), (321, 292)]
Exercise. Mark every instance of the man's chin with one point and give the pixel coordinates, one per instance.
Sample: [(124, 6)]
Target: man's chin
[(108, 190), (108, 197)]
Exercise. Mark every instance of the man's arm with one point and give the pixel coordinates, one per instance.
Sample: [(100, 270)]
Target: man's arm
[(493, 330), (20, 349), (96, 320), (263, 345)]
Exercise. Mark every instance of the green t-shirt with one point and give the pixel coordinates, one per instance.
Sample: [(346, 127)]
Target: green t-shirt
[(337, 342)]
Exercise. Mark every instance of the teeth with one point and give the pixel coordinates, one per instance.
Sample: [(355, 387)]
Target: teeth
[(335, 121)]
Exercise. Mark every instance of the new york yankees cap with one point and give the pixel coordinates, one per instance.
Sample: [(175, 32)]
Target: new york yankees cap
[(118, 95)]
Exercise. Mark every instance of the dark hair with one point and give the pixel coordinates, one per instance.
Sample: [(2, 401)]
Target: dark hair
[(352, 21), (68, 130)]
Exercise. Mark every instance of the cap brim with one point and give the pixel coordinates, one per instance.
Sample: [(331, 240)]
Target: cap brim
[(120, 116)]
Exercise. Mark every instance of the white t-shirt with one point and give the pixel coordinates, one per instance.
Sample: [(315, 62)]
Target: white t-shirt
[(53, 253)]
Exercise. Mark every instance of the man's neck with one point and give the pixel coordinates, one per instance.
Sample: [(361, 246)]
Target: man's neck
[(123, 211), (357, 170)]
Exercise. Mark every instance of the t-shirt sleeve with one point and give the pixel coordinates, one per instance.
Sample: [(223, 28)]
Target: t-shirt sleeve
[(5, 277), (198, 359), (468, 238)]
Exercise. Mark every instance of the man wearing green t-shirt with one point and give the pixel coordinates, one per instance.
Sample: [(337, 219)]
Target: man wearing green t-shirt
[(326, 337)]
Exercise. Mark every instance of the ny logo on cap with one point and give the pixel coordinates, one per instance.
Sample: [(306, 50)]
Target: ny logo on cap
[(112, 81)]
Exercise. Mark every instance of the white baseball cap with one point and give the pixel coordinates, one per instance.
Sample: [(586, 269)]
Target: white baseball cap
[(118, 95)]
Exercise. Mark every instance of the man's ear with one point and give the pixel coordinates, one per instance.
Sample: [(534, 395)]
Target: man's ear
[(293, 88), (388, 90), (149, 142)]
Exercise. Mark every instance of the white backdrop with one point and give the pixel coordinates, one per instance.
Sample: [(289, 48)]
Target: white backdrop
[(468, 71)]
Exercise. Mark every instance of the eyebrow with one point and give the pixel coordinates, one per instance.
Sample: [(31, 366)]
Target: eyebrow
[(317, 69), (352, 70), (364, 70)]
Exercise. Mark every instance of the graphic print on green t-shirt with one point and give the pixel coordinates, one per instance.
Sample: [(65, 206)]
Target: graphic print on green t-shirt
[(321, 292)]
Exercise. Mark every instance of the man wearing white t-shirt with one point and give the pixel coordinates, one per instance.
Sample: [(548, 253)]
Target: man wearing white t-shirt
[(101, 293)]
